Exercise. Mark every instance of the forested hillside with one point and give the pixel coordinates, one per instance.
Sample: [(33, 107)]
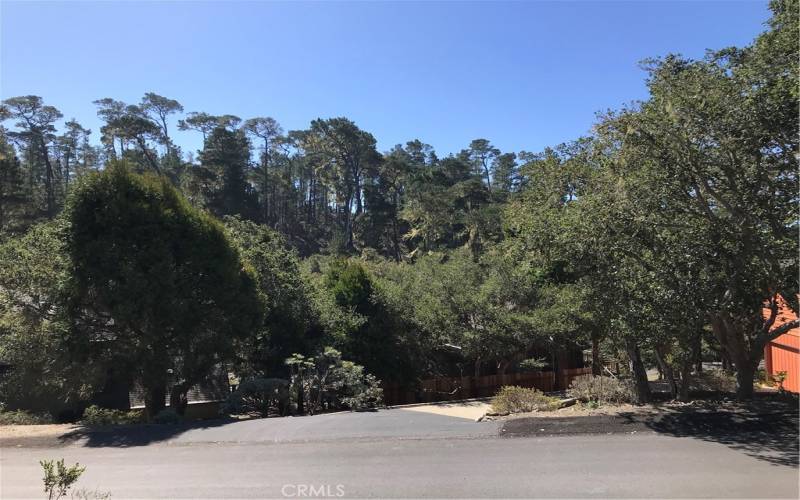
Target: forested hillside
[(655, 239)]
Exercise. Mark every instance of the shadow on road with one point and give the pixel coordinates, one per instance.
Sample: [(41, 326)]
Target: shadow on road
[(767, 432), (763, 429), (135, 435)]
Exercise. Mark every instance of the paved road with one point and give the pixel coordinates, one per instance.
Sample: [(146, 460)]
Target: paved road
[(400, 453)]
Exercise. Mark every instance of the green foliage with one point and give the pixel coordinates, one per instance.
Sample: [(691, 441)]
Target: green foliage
[(514, 399), (259, 396), (326, 381), (35, 321), (532, 364), (95, 416), (168, 276), (225, 159), (371, 334), (600, 390), (492, 309), (292, 317), (674, 221), (22, 417), (58, 478)]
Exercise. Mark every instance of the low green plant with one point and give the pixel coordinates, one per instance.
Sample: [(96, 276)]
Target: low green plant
[(95, 416), (22, 417), (780, 378), (763, 378), (59, 478), (167, 416), (515, 399), (600, 390)]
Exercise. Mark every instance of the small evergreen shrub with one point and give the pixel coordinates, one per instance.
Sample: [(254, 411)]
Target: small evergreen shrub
[(95, 416), (514, 399), (600, 390)]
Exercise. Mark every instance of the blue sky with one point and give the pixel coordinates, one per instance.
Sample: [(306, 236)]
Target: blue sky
[(524, 75)]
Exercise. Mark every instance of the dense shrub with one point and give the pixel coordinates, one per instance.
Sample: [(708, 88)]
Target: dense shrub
[(329, 382), (514, 399), (600, 390), (22, 417), (167, 416), (94, 416), (355, 389), (714, 380), (259, 396)]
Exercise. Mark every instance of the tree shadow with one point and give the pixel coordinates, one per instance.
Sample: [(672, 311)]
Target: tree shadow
[(763, 429), (125, 436)]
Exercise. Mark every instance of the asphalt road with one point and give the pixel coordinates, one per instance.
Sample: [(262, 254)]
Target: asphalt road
[(399, 453)]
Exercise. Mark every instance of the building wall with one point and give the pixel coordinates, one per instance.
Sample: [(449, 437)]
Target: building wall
[(783, 353)]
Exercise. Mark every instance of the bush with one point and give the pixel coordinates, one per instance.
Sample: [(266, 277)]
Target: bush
[(94, 416), (167, 416), (22, 417), (600, 390), (59, 478), (714, 380), (259, 396), (329, 382), (356, 390), (514, 399)]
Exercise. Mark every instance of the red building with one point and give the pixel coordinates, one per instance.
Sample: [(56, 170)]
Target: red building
[(783, 353)]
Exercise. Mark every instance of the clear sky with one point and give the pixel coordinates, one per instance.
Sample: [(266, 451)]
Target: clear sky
[(524, 75)]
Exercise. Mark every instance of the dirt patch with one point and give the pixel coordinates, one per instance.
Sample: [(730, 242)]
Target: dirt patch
[(461, 409), (765, 428), (34, 435), (764, 404)]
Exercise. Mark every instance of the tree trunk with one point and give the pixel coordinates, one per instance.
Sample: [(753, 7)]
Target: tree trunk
[(597, 363), (154, 400), (698, 353), (694, 358), (726, 365), (744, 357), (502, 366), (642, 392), (395, 239), (48, 181), (666, 369), (686, 379), (177, 398), (478, 367), (744, 380)]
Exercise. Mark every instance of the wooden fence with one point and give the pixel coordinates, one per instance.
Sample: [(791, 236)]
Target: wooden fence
[(448, 388)]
